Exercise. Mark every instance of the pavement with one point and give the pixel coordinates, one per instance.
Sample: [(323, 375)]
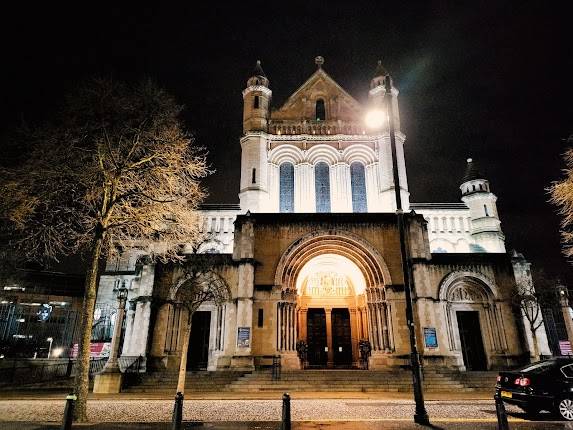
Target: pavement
[(311, 414)]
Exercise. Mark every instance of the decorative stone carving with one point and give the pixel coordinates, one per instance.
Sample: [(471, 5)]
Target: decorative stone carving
[(465, 293)]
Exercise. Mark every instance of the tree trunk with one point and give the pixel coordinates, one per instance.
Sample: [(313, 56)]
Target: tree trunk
[(183, 363), (535, 344), (83, 360)]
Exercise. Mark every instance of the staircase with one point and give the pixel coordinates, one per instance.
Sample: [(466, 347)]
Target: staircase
[(199, 381), (435, 381), (362, 381)]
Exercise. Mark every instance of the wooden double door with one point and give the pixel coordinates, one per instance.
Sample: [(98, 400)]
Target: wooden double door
[(329, 345)]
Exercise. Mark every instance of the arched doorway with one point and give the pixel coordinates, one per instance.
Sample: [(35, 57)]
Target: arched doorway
[(332, 297), (330, 303), (474, 319)]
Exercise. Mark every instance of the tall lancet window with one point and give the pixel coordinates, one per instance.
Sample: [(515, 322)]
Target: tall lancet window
[(320, 110), (358, 185), (322, 186), (286, 187)]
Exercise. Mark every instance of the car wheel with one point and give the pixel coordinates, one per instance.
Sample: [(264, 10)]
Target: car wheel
[(565, 409)]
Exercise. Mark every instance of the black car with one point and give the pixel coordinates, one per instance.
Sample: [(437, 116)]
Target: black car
[(545, 385)]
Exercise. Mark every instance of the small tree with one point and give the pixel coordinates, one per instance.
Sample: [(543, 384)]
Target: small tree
[(561, 193), (197, 285), (529, 302), (116, 170)]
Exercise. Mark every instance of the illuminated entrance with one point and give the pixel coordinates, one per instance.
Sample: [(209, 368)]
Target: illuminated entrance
[(331, 311), (333, 296)]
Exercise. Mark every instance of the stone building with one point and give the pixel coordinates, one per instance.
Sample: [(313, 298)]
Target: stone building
[(312, 253)]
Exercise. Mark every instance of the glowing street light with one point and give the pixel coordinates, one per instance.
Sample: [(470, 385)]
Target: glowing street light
[(375, 119)]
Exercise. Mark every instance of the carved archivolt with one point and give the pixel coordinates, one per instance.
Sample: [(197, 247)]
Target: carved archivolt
[(466, 286), (349, 245)]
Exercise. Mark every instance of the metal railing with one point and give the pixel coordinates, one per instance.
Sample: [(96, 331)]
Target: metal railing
[(269, 361), (18, 371), (132, 368)]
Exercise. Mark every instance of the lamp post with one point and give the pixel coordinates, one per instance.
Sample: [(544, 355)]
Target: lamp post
[(50, 339), (112, 364), (566, 311), (376, 119)]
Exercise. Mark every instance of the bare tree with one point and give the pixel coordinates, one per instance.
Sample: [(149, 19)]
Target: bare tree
[(561, 193), (529, 301), (115, 171), (198, 284)]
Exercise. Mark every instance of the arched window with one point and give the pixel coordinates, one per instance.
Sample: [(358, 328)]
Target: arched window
[(286, 187), (320, 110), (322, 186), (358, 185)]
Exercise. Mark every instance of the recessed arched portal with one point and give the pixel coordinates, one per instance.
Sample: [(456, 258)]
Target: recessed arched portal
[(330, 298), (333, 297)]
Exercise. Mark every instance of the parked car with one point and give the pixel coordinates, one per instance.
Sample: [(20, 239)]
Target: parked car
[(545, 385)]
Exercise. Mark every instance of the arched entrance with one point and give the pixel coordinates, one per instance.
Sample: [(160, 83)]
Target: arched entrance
[(474, 319), (332, 297), (330, 303)]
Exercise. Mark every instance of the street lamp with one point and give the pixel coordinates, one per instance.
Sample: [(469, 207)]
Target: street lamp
[(50, 339), (376, 119)]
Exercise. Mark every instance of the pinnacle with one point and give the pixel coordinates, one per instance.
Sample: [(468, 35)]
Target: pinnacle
[(380, 70), (259, 70), (472, 171)]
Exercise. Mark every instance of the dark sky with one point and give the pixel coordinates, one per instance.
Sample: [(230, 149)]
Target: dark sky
[(490, 80)]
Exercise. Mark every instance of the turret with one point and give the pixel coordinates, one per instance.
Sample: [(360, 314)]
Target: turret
[(378, 90), (378, 112), (256, 101), (485, 223), (253, 193)]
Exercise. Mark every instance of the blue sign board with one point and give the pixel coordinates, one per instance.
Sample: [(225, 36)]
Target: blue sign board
[(430, 338)]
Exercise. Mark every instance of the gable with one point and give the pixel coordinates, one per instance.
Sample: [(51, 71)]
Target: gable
[(301, 105)]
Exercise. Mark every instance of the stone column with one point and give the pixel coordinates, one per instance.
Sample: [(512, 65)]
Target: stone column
[(354, 334), (330, 361), (304, 193), (385, 336)]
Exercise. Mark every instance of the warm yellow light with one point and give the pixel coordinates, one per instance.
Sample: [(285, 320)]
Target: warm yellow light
[(375, 118), (333, 264)]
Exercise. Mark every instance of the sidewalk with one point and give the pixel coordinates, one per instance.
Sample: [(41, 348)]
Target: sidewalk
[(387, 396)]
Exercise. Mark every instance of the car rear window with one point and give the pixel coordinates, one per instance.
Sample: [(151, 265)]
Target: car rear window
[(538, 367)]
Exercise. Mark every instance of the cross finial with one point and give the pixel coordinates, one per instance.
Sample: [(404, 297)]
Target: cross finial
[(319, 61)]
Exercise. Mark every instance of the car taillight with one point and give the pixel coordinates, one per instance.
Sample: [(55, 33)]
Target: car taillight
[(498, 378), (524, 382), (516, 382)]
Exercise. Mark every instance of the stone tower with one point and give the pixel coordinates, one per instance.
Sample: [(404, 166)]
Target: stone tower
[(376, 97), (256, 111), (485, 223)]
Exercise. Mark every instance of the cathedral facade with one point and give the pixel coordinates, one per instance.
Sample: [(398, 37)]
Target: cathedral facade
[(311, 254)]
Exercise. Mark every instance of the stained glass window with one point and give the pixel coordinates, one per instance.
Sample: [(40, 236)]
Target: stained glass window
[(322, 187), (286, 184), (358, 185)]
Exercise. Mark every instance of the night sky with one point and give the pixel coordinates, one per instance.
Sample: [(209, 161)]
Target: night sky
[(491, 80)]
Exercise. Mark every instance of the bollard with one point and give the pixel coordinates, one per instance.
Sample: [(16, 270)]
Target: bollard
[(502, 423), (69, 412), (177, 412), (285, 423)]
